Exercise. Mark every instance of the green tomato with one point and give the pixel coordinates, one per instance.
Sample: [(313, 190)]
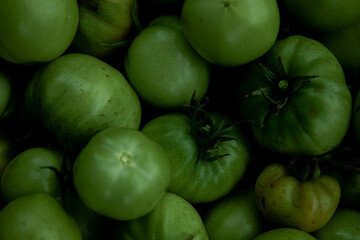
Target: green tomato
[(343, 225), (206, 161), (296, 98), (36, 31), (234, 217), (284, 234), (345, 44), (288, 202), (231, 32), (102, 22), (37, 216), (32, 171), (121, 174), (77, 95), (324, 15), (173, 218), (163, 68)]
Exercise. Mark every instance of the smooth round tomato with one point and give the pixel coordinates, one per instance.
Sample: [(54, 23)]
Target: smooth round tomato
[(32, 171), (37, 216), (173, 218), (103, 22), (121, 173), (163, 68), (324, 15), (207, 161), (234, 217), (36, 31), (296, 98), (284, 234), (231, 32), (343, 225), (77, 95), (288, 202)]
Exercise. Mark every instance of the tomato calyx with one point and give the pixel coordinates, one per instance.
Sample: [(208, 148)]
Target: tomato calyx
[(305, 169), (209, 134), (281, 86)]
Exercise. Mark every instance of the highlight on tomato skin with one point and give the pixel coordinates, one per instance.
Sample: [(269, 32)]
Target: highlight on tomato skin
[(179, 119)]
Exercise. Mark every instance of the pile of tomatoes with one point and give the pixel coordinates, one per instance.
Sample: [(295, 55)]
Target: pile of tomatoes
[(180, 119)]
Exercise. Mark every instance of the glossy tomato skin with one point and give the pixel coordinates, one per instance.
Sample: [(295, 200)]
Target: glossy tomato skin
[(37, 216), (30, 172), (77, 95), (173, 218), (121, 173), (324, 15), (36, 31), (315, 116), (343, 225), (193, 177), (284, 234), (234, 217), (286, 201), (163, 68), (233, 32)]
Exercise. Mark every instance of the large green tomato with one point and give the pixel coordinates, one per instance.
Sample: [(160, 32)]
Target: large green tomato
[(121, 174), (77, 95), (288, 202), (102, 22), (173, 218), (207, 160), (234, 217), (36, 31), (324, 15), (163, 68), (344, 225), (32, 171), (230, 32), (37, 216), (284, 234), (296, 98)]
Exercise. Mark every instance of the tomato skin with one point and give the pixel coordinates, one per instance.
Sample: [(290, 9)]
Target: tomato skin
[(29, 172), (324, 15), (77, 95), (102, 22), (316, 116), (284, 234), (286, 201), (163, 68), (37, 216), (192, 177), (36, 31), (343, 225), (121, 173), (173, 218), (234, 217), (233, 32)]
